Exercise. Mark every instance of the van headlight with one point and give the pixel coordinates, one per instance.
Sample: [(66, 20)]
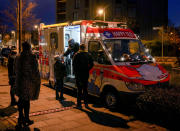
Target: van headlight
[(135, 86)]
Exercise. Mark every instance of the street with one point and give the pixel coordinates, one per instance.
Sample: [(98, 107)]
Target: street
[(50, 114)]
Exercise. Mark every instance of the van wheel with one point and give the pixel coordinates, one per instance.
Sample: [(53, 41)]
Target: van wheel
[(111, 99)]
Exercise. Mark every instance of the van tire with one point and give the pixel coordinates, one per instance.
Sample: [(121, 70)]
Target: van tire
[(110, 98)]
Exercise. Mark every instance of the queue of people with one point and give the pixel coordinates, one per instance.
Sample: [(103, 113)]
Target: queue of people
[(24, 77)]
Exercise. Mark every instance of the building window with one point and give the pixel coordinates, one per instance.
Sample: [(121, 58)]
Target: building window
[(61, 17), (132, 1), (86, 14), (77, 4), (61, 7), (75, 15), (118, 1), (87, 3), (118, 11), (132, 12)]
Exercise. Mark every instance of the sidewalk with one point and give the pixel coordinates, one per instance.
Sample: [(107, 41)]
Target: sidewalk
[(51, 115)]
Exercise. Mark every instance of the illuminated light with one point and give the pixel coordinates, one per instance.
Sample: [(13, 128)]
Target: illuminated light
[(42, 43), (35, 26), (55, 25), (83, 35), (76, 22), (122, 58), (98, 35), (154, 60), (115, 59), (100, 11), (147, 50), (12, 31)]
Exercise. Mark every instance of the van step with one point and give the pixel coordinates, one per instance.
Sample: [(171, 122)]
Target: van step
[(69, 84)]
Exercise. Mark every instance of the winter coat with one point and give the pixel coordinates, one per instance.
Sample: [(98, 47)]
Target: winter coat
[(27, 76), (11, 70), (82, 63), (72, 49), (59, 70)]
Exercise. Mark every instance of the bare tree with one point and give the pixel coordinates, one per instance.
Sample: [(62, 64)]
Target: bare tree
[(171, 35), (28, 17)]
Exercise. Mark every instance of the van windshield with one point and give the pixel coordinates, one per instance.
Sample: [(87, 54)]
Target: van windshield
[(127, 50)]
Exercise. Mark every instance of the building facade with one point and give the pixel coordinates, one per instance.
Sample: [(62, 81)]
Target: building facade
[(140, 15)]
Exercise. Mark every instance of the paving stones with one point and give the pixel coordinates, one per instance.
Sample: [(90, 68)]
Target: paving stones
[(52, 115)]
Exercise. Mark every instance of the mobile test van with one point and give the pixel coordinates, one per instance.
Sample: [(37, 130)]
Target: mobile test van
[(122, 65)]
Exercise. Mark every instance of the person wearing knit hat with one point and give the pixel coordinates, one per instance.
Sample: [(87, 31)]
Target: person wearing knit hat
[(59, 74)]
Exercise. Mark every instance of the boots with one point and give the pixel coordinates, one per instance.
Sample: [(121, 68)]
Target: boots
[(29, 122), (13, 100), (20, 123), (26, 113)]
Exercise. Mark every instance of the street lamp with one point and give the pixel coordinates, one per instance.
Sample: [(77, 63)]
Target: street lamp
[(35, 34), (13, 37), (36, 26), (19, 23), (102, 11), (13, 33)]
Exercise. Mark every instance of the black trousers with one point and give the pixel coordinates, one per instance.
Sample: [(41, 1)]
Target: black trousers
[(12, 93), (23, 106), (82, 86), (59, 88)]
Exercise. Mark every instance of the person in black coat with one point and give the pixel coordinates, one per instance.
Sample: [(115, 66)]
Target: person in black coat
[(82, 63), (72, 48), (27, 82), (59, 73), (12, 76)]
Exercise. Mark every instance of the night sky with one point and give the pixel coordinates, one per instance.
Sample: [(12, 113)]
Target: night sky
[(46, 10)]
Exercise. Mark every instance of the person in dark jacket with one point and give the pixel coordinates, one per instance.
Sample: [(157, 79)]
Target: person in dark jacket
[(59, 74), (82, 63), (27, 83), (11, 75), (72, 48)]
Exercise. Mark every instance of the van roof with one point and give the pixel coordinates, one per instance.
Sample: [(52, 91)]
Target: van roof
[(85, 22)]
